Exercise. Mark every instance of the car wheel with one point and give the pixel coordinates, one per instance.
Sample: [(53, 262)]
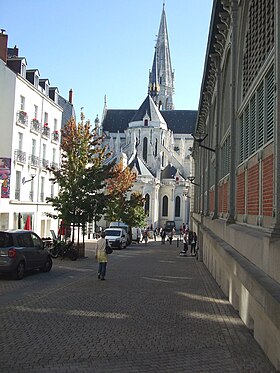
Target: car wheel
[(19, 271), (48, 265), (123, 245)]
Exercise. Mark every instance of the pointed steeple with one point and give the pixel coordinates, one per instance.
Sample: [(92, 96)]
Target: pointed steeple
[(165, 75), (154, 87)]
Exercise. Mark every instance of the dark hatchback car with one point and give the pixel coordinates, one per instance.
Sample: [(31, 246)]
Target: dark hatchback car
[(22, 251)]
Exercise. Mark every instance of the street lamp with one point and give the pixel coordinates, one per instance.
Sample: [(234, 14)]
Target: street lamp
[(191, 180), (201, 137)]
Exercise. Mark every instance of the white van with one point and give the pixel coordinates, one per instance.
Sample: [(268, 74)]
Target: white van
[(120, 224), (116, 237), (136, 234)]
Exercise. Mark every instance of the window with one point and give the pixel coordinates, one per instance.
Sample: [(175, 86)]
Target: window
[(18, 184), (156, 148), (256, 122), (44, 151), (33, 148), (165, 206), (46, 118), (147, 204), (23, 69), (35, 112), (20, 141), (36, 81), (177, 207), (53, 155), (42, 195), (146, 122), (22, 102), (145, 149), (31, 194)]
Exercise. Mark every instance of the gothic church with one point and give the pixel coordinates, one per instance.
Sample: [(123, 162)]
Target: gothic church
[(155, 141)]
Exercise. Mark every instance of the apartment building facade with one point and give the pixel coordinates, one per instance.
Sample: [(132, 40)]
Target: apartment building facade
[(30, 123)]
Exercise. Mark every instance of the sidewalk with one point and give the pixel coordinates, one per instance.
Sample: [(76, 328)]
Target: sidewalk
[(156, 312)]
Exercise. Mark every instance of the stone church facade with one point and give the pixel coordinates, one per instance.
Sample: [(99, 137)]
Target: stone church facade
[(155, 141)]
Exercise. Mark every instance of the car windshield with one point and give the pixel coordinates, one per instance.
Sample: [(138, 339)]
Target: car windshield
[(5, 239), (111, 232)]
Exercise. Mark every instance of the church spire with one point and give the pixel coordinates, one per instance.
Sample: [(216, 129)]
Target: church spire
[(154, 87), (165, 75)]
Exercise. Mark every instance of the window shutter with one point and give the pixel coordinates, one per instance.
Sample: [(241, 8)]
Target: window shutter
[(260, 116), (270, 105)]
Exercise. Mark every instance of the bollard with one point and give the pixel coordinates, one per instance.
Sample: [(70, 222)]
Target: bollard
[(177, 242)]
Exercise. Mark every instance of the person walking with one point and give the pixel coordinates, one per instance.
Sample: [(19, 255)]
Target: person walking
[(101, 256), (185, 241), (163, 235), (193, 243)]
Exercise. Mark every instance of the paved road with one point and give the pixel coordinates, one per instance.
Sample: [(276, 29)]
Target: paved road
[(156, 312)]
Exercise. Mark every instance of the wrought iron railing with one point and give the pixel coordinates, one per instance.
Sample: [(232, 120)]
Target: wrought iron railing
[(35, 125), (22, 118), (44, 163), (33, 160), (20, 156), (46, 131)]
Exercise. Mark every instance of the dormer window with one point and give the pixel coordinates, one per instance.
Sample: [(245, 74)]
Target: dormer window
[(146, 122), (23, 69), (36, 81)]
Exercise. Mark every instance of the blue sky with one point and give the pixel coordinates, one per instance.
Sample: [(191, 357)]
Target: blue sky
[(99, 47)]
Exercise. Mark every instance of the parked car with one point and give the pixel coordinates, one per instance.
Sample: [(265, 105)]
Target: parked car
[(21, 251), (116, 237)]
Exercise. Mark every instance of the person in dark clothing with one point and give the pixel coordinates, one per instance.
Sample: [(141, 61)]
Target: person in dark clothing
[(193, 243), (163, 235)]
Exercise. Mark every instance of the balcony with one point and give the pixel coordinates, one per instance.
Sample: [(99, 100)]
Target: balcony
[(44, 163), (20, 156), (22, 118), (55, 136), (46, 131), (35, 125), (34, 161)]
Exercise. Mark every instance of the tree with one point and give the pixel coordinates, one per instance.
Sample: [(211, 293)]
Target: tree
[(81, 175), (119, 206)]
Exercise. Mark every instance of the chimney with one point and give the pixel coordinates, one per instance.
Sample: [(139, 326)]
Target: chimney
[(71, 96), (3, 45)]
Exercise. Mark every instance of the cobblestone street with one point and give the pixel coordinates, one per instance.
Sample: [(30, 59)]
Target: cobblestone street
[(156, 312)]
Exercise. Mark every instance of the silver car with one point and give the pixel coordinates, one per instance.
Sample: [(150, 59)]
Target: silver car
[(21, 251)]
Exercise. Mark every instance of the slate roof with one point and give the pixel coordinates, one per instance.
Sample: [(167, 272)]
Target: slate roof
[(178, 121), (168, 172), (148, 107), (140, 167)]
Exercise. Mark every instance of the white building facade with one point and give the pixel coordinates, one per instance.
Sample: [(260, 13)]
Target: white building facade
[(30, 123)]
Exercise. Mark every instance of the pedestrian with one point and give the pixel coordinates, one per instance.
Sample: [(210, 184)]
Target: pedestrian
[(163, 235), (193, 243), (155, 234), (101, 256), (145, 236), (170, 237), (185, 241)]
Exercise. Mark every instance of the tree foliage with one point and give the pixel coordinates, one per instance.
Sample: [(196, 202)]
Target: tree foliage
[(122, 205), (81, 175)]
